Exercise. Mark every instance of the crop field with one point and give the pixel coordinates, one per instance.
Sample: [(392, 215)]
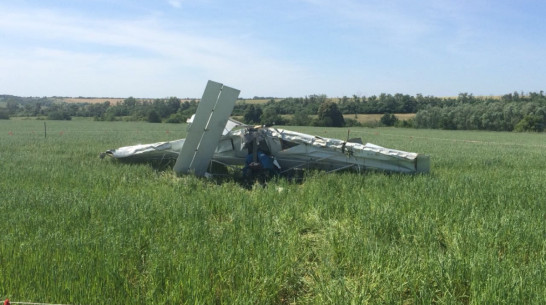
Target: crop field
[(75, 229), (361, 118), (113, 100), (91, 100)]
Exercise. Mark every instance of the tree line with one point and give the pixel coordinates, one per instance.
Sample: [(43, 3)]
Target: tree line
[(510, 112), (172, 110)]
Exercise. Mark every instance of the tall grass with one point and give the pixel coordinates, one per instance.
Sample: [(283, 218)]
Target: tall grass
[(80, 230)]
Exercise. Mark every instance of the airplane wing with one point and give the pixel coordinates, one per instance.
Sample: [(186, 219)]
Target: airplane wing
[(206, 129)]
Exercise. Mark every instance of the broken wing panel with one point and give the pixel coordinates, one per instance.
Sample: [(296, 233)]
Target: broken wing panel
[(148, 152), (327, 153), (197, 128), (206, 129), (214, 129)]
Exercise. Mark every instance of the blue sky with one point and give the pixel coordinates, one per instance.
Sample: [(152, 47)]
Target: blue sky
[(282, 48)]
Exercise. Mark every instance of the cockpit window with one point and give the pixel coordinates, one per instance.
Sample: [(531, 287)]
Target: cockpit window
[(287, 144)]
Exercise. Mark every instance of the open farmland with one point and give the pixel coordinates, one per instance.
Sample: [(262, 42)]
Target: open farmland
[(75, 229), (376, 118), (91, 100), (373, 119), (114, 100), (255, 101), (100, 100)]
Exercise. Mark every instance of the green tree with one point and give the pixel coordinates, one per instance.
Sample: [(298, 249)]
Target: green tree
[(153, 117), (329, 115), (160, 107), (98, 110), (4, 114), (58, 115), (12, 107), (388, 119), (530, 123), (176, 118), (129, 102), (300, 118), (271, 117), (252, 115), (173, 104)]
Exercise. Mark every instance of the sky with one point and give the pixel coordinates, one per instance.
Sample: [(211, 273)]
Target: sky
[(280, 48)]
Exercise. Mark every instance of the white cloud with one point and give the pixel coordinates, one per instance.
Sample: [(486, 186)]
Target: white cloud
[(75, 55), (336, 48), (390, 20), (175, 3)]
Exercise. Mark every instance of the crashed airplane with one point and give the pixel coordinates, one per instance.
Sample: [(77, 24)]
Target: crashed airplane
[(215, 138)]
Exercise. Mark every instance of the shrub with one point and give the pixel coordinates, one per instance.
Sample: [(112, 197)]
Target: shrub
[(59, 115), (153, 117), (405, 123), (4, 115), (300, 118), (388, 119), (329, 115), (176, 118), (352, 123), (530, 123), (252, 115)]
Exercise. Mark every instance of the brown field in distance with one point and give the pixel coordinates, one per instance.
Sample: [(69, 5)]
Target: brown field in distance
[(92, 100), (370, 118), (113, 101), (361, 118), (100, 100)]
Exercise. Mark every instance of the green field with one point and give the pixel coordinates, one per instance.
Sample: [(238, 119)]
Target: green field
[(75, 229)]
